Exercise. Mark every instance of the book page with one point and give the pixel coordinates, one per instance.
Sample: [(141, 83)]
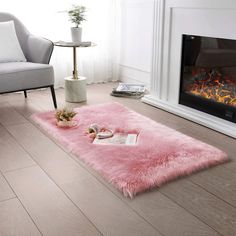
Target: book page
[(118, 138)]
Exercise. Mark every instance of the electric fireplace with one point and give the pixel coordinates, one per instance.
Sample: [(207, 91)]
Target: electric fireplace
[(208, 75)]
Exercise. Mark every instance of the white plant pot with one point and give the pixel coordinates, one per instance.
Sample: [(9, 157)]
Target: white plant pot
[(64, 124), (76, 34)]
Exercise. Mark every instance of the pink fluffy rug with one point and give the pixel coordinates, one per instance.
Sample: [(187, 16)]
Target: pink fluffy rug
[(161, 154)]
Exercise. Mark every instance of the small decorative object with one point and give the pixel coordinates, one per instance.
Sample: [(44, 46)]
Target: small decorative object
[(104, 133), (77, 16), (65, 118), (95, 131)]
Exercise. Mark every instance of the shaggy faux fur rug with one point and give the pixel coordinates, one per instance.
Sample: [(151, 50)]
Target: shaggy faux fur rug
[(161, 154)]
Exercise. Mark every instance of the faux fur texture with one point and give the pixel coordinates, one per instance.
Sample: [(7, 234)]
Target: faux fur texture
[(161, 154)]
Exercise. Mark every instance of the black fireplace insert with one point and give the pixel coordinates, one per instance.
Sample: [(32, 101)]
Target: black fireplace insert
[(208, 75)]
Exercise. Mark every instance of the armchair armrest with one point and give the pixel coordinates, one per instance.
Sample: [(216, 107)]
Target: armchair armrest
[(39, 50)]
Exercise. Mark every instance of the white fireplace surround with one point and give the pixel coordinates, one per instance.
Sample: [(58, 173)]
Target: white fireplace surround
[(213, 18)]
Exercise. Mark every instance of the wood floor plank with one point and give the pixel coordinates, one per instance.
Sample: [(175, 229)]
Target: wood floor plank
[(50, 209), (9, 97), (46, 99), (165, 215), (9, 116), (114, 218), (168, 217), (27, 107), (14, 220), (218, 181), (210, 209), (5, 190), (12, 155), (230, 166), (221, 141)]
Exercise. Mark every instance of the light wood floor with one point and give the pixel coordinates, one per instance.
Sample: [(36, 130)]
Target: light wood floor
[(44, 190)]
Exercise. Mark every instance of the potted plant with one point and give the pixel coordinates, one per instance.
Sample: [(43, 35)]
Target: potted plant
[(65, 117), (77, 16)]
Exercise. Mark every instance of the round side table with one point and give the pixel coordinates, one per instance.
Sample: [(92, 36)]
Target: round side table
[(75, 89), (75, 85)]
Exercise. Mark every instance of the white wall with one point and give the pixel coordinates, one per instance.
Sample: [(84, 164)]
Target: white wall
[(136, 40)]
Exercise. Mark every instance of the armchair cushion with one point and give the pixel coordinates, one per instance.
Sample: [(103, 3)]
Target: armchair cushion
[(16, 76), (10, 49)]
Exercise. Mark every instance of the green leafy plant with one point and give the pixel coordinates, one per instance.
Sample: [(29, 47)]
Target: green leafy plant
[(77, 14)]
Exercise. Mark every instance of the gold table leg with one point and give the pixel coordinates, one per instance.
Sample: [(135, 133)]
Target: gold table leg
[(75, 71)]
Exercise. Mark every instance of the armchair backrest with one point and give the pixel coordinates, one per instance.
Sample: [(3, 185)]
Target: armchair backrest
[(21, 31), (35, 49)]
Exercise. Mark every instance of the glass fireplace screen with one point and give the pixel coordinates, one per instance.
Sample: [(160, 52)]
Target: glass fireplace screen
[(209, 69)]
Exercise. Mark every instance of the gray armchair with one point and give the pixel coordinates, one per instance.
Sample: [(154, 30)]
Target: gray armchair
[(33, 74)]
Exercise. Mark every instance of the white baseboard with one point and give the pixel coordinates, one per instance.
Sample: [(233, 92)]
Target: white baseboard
[(199, 117)]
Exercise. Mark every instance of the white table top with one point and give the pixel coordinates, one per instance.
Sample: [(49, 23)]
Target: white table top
[(74, 44)]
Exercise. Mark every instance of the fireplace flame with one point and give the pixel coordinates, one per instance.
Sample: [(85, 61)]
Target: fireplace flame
[(214, 85)]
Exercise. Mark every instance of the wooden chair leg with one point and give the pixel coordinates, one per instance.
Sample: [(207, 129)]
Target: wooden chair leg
[(53, 96), (25, 93)]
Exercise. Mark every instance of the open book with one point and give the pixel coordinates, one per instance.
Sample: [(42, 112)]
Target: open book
[(118, 138)]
